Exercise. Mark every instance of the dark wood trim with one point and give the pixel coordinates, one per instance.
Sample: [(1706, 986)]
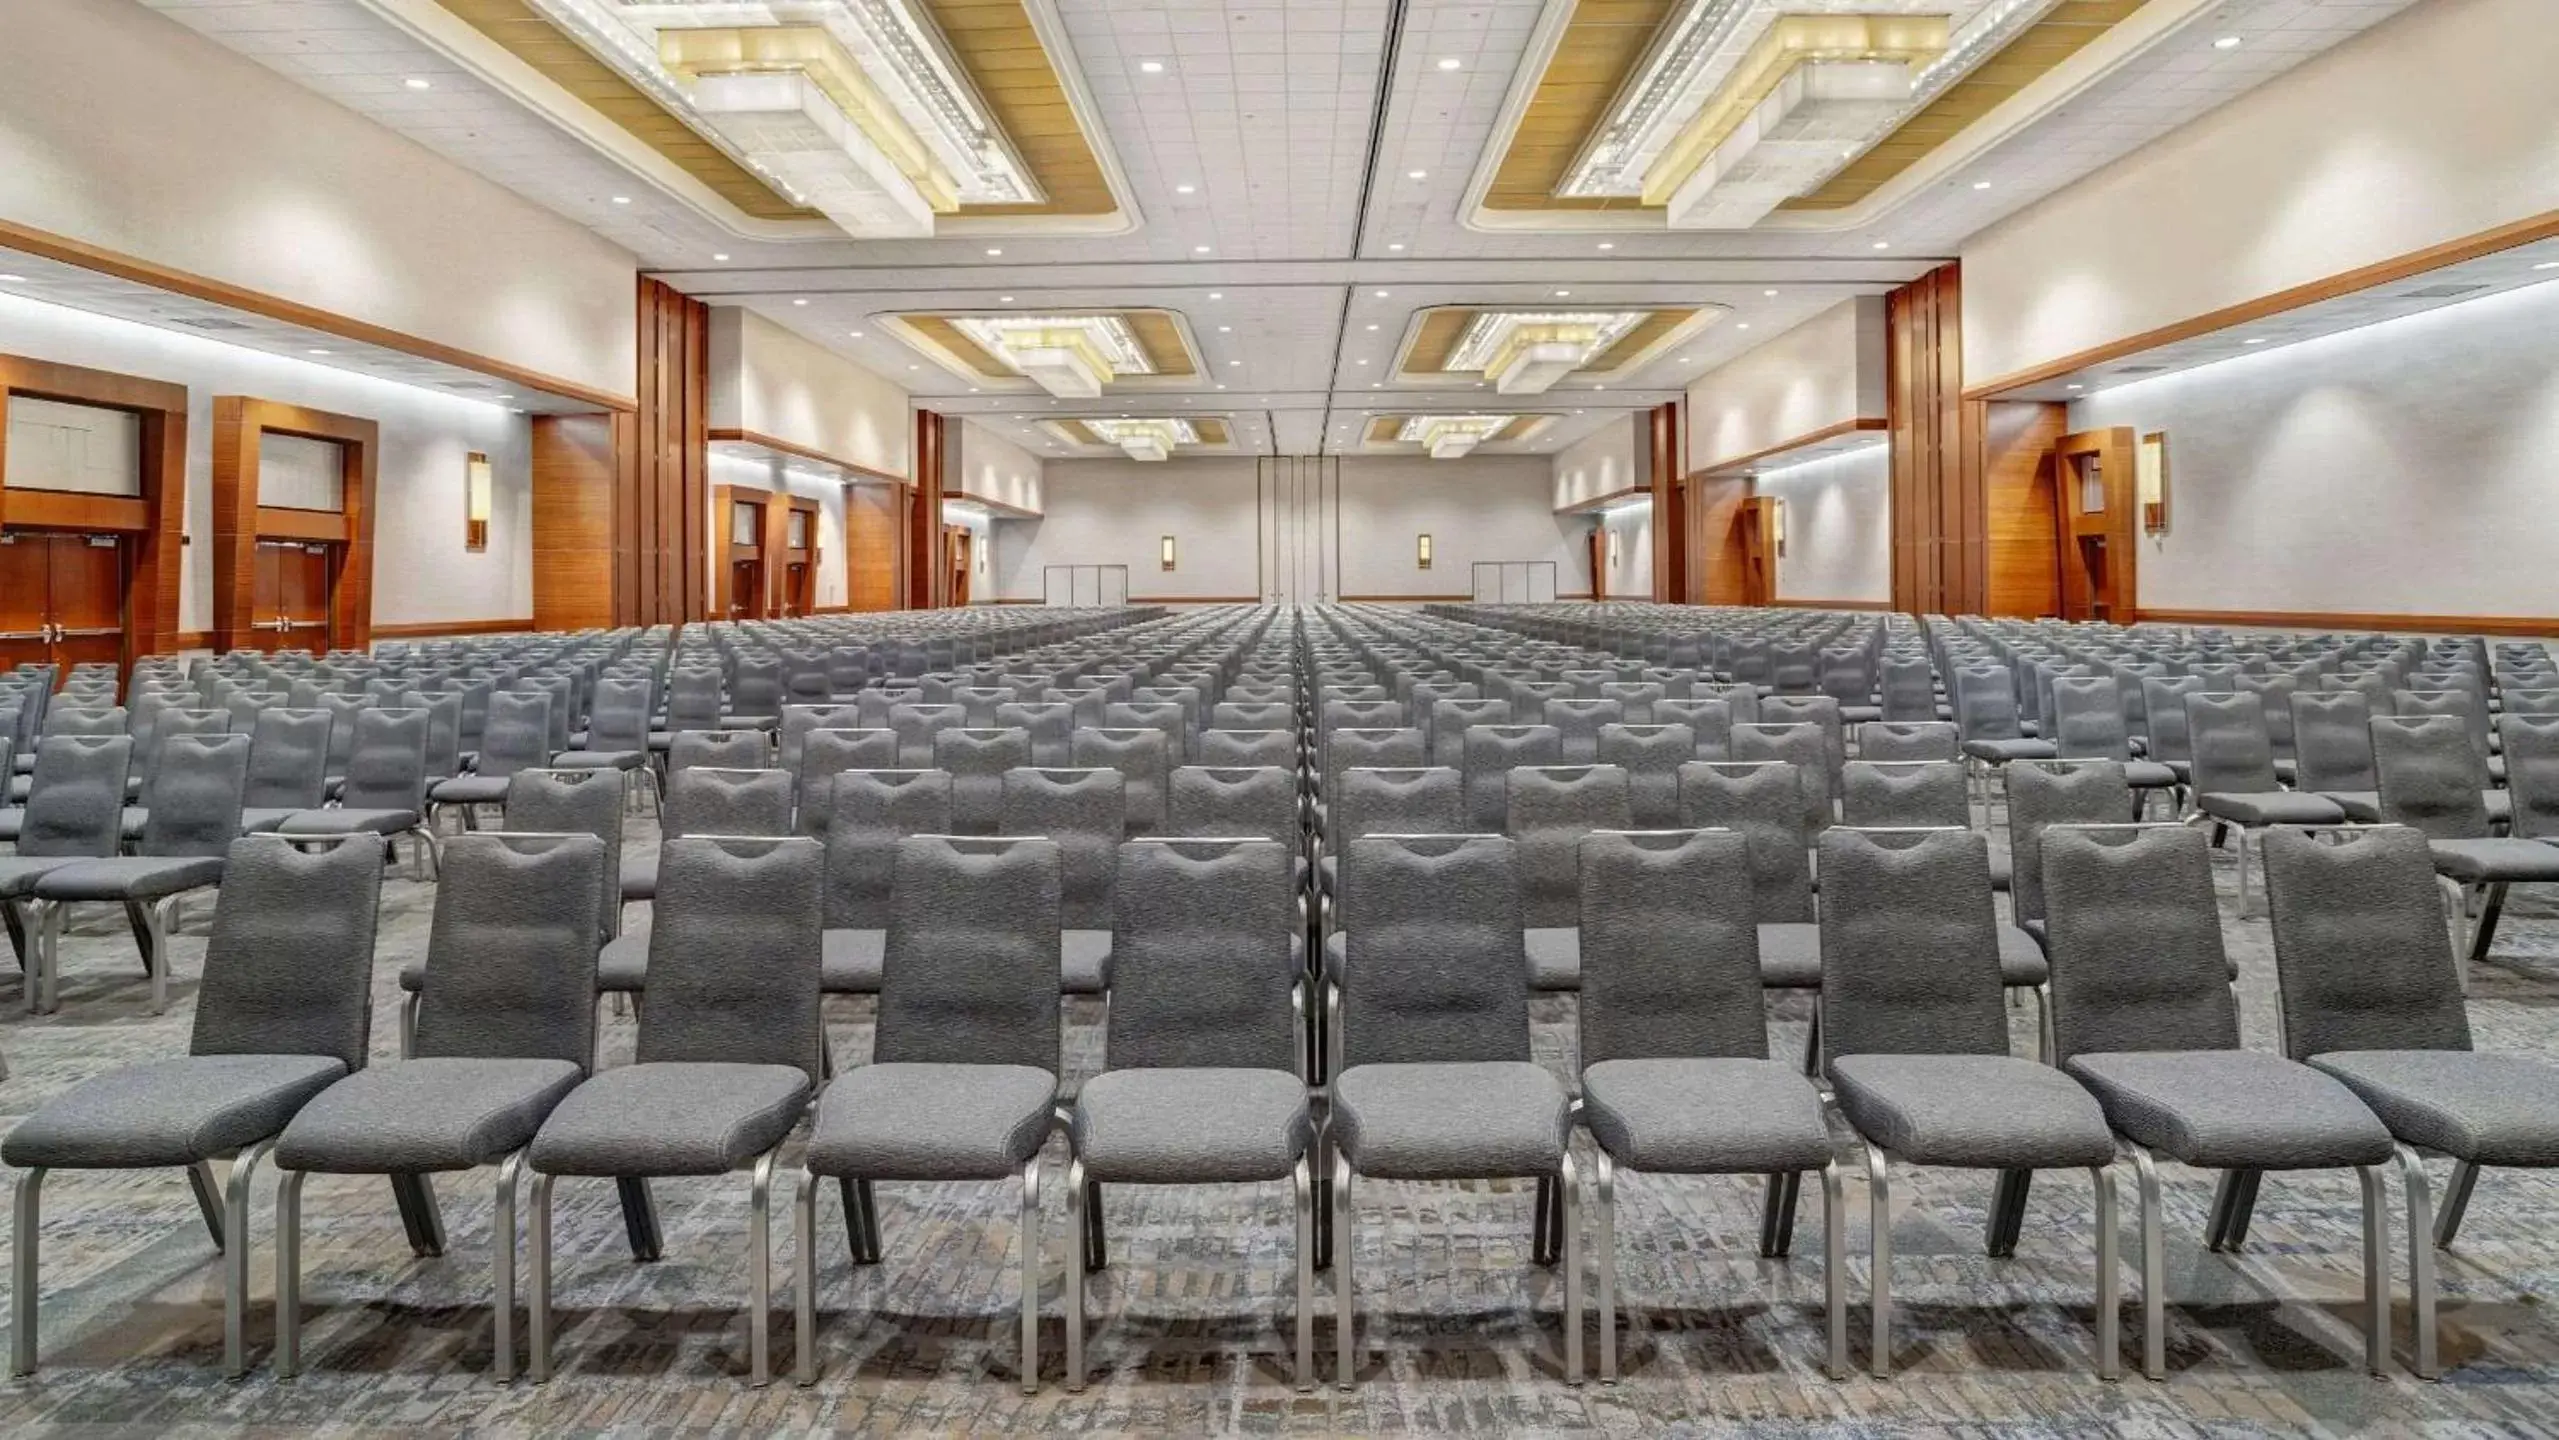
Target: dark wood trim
[(2534, 626), (151, 571), (438, 629), (1585, 507), (1939, 502), (575, 480), (239, 521), (730, 434), (1664, 460), (161, 277), (2346, 282), (281, 522), (927, 577), (1015, 512), (1727, 469), (191, 640)]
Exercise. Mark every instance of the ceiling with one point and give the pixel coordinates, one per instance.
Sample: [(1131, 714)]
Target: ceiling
[(1299, 183)]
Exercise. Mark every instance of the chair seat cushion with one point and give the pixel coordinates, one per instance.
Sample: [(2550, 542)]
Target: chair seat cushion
[(623, 963), (256, 818), (691, 1118), (1705, 1116), (1981, 1112), (2000, 752), (138, 877), (438, 1113), (169, 1112), (2148, 775), (1084, 962), (19, 873), (12, 821), (2233, 1109), (2486, 1109), (469, 790), (1555, 957), (599, 759), (2498, 858), (1790, 957), (2361, 806), (1191, 1126), (640, 876), (2270, 807), (1451, 1120), (850, 961), (932, 1122), (349, 822)]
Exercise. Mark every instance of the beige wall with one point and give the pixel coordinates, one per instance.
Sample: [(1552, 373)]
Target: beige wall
[(1827, 370), (1601, 463), (770, 381), (126, 130), (2431, 126), (1839, 530), (994, 468)]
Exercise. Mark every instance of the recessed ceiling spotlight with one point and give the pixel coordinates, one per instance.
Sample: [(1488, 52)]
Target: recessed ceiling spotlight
[(1560, 294), (2254, 340), (1199, 249), (1225, 329), (721, 257), (1451, 62), (1417, 174), (914, 367), (1981, 184), (1743, 326), (1687, 359), (801, 301), (1232, 363), (994, 249), (1376, 385), (1217, 294), (419, 82), (856, 334), (621, 199), (1372, 326), (1363, 362), (315, 351), (2226, 42), (1395, 245), (2074, 387), (1003, 299), (1607, 244), (2544, 265), (1381, 294), (1150, 67), (1221, 387), (1883, 244), (1186, 189)]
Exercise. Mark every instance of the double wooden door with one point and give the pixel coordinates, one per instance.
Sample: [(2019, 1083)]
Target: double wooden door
[(61, 598), (290, 596)]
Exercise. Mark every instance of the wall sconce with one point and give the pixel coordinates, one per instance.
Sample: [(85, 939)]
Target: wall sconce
[(477, 485), (1777, 526), (1422, 552), (1164, 552), (2150, 480), (1615, 551)]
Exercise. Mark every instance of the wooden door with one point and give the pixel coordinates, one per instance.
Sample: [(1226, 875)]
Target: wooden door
[(1599, 561), (266, 608), (86, 581), (746, 589), (26, 618), (306, 612), (959, 537), (2098, 524)]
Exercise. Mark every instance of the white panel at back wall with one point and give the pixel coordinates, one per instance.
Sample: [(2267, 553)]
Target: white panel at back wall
[(55, 445), (1115, 512), (1839, 527), (421, 572), (2404, 468), (300, 473), (1630, 566), (1476, 509)]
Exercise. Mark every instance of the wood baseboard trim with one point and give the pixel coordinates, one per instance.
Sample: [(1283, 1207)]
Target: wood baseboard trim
[(441, 629), (810, 453), (1831, 604), (239, 297), (2528, 626)]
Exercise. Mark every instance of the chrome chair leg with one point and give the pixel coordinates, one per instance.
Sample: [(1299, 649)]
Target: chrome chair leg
[(288, 1274), (2421, 1262), (1835, 1264), (28, 1208), (1031, 1276), (2154, 1268), (537, 1324), (759, 1270), (1569, 1212), (1302, 1196), (2110, 1340), (1879, 1280), (804, 1304), (1343, 1269), (2456, 1204), (502, 1266), (235, 1260), (2376, 1270), (1077, 1253), (1604, 1183)]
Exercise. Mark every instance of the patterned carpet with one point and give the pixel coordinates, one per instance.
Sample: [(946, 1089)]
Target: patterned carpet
[(1190, 1328)]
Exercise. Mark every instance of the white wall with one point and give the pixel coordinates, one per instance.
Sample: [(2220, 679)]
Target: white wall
[(1604, 462), (994, 468), (754, 473), (1630, 572), (1827, 370), (1115, 512), (421, 573), (1478, 508), (127, 130), (769, 381), (1839, 528), (2432, 125), (2404, 468), (57, 445)]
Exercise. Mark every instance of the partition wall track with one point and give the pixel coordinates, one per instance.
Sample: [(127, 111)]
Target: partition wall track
[(1297, 518)]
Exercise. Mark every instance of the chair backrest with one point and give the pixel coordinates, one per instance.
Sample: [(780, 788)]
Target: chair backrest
[(1085, 813), (1436, 964), (1144, 763), (2044, 793), (387, 768), (1256, 803), (916, 725), (1491, 753), (2362, 957), (970, 972), (1763, 801), (2167, 732), (2460, 704), (1910, 945), (517, 735), (1802, 745), (1909, 689), (870, 812), (1228, 749), (195, 798), (825, 754), (1709, 722), (1986, 703), (2532, 774), (1670, 947), (75, 800), (1201, 970), (1577, 724), (1905, 793), (977, 761), (1550, 809), (2134, 939), (575, 802), (2431, 777), (725, 749), (715, 800), (2232, 752), (2088, 718), (1451, 719), (510, 971), (618, 721), (734, 953), (799, 720), (2332, 741), (1897, 740), (289, 970), (1050, 725), (1651, 756)]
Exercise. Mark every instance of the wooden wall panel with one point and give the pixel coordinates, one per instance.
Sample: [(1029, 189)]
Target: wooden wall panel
[(663, 505), (151, 582), (1716, 539), (1664, 454), (872, 545), (1940, 532), (2019, 497), (239, 423), (927, 579), (576, 550)]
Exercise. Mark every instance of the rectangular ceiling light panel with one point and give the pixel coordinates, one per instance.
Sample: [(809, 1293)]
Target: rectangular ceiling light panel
[(1524, 352), (1070, 356)]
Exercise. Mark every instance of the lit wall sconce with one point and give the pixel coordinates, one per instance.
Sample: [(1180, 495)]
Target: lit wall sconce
[(1777, 526), (1422, 552), (477, 485), (1615, 549), (1164, 553), (2150, 478)]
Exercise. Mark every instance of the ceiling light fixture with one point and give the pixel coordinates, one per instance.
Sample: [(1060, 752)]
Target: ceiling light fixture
[(1451, 62), (621, 199), (1150, 67), (315, 351), (1743, 326), (1524, 352), (1450, 437), (720, 257), (2226, 42), (1883, 244), (1186, 189), (13, 279), (994, 250), (1003, 299), (1149, 440), (799, 302), (2254, 340), (1563, 294), (1217, 294), (1607, 244), (1395, 245), (1380, 294), (1199, 249), (1981, 184), (856, 334), (1417, 174), (2544, 265), (419, 82), (1225, 329)]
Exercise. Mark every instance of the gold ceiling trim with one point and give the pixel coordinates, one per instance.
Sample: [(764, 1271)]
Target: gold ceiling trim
[(1436, 338), (1605, 40), (1382, 429), (1210, 429), (1157, 332), (993, 40)]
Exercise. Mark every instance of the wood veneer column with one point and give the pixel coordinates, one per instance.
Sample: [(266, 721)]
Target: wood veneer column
[(661, 514), (576, 550), (1940, 532), (1670, 504), (927, 578)]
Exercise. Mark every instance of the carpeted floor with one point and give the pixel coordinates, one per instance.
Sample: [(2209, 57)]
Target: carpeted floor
[(1190, 1327)]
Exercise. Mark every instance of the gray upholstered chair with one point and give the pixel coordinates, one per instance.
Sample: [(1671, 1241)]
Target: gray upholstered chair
[(1230, 749), (1450, 719), (1709, 721), (2144, 1017), (2233, 775), (2371, 994), (505, 1030), (965, 1055), (1763, 802), (2332, 751), (1905, 793), (617, 733), (720, 750), (518, 737), (385, 792), (74, 812), (1915, 1040), (730, 1049), (873, 811), (1898, 740), (2089, 724), (1354, 747), (1491, 752), (825, 754), (710, 800), (1651, 756), (294, 925), (1577, 723), (1162, 716), (2434, 779), (1145, 767), (1082, 811), (1389, 800), (1431, 1067), (1248, 803), (916, 725), (2044, 793), (1799, 743), (1200, 1082), (1676, 1077), (194, 817), (977, 762), (1909, 689), (1050, 725), (1551, 808)]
